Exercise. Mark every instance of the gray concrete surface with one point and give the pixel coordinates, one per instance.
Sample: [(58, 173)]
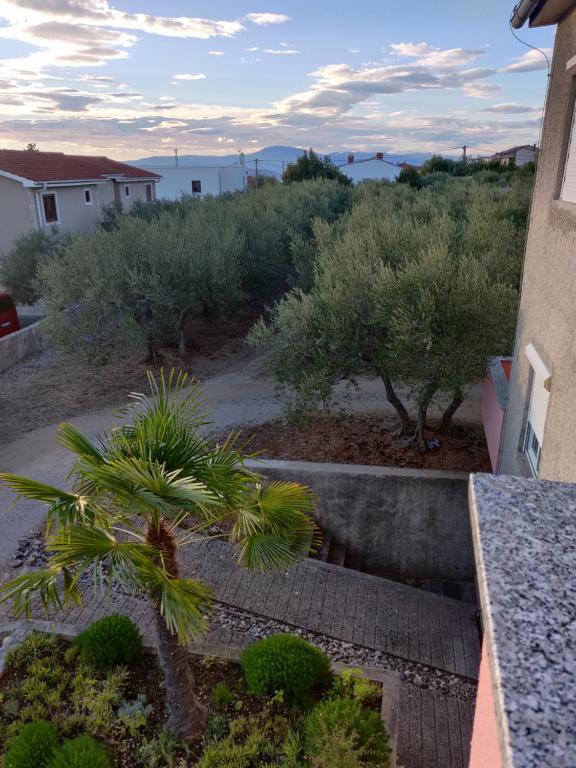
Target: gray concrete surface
[(18, 346), (408, 523)]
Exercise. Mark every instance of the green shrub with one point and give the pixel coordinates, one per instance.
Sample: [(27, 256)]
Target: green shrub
[(18, 267), (81, 752), (221, 696), (287, 663), (33, 746), (217, 728), (252, 741), (358, 731), (161, 751), (109, 642)]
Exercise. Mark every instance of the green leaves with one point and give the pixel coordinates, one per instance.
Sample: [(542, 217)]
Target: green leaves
[(274, 528)]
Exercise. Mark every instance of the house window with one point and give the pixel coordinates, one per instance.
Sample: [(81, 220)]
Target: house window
[(126, 191), (148, 193), (50, 208), (537, 408), (196, 187), (87, 197), (568, 188)]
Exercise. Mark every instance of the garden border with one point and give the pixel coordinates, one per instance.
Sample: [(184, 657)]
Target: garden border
[(17, 631)]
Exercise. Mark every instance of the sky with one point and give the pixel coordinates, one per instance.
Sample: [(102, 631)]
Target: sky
[(133, 78)]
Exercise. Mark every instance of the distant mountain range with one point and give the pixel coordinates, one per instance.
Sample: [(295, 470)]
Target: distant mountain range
[(270, 159)]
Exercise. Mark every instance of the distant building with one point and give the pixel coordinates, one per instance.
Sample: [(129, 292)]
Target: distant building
[(41, 190), (526, 153), (373, 168), (200, 180)]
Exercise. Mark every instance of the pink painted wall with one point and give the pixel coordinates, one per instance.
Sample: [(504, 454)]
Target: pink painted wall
[(485, 751), (492, 419)]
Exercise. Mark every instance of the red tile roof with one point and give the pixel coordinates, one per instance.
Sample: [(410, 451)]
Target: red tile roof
[(56, 166)]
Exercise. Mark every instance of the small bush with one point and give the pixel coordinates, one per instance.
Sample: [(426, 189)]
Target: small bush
[(109, 642), (81, 752), (252, 741), (217, 728), (38, 645), (362, 739), (161, 751), (285, 663), (33, 746), (19, 266), (221, 696)]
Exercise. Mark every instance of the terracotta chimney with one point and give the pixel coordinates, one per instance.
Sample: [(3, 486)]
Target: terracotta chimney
[(350, 159), (379, 155)]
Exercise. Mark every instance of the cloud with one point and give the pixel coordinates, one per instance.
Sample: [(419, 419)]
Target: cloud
[(337, 88), (216, 53), (281, 51), (510, 107), (264, 19), (531, 61), (198, 76)]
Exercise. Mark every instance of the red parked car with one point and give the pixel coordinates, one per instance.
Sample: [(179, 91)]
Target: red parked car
[(8, 316)]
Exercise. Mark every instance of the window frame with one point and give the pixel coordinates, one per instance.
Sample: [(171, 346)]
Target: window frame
[(87, 192), (539, 387), (127, 191), (47, 223), (199, 183), (148, 193), (568, 142)]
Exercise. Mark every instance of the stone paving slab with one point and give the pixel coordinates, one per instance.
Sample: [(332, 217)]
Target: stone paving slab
[(434, 731), (348, 605)]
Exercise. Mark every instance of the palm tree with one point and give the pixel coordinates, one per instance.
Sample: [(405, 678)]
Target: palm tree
[(153, 485)]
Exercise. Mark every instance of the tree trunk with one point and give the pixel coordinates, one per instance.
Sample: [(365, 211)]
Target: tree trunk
[(188, 715), (394, 400), (446, 420), (417, 441)]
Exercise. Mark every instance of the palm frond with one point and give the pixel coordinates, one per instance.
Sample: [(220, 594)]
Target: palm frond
[(42, 583), (184, 603), (76, 442), (68, 508), (274, 528)]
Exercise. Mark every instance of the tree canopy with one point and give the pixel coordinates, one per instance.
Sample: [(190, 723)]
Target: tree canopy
[(312, 166)]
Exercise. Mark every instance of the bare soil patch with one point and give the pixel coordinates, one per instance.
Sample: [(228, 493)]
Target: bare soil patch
[(367, 439), (53, 386)]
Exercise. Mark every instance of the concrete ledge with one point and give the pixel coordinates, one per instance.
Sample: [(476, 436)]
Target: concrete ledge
[(403, 523), (22, 344)]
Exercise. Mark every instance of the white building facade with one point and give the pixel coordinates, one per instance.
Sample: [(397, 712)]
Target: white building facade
[(374, 168), (199, 181)]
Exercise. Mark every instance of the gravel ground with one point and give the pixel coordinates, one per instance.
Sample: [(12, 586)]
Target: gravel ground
[(243, 627)]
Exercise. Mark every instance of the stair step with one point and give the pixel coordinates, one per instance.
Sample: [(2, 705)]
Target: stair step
[(337, 553), (324, 548)]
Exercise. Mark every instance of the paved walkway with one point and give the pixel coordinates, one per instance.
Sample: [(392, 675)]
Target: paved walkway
[(350, 606), (434, 731)]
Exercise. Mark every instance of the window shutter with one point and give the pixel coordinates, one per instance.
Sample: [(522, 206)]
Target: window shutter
[(568, 191), (538, 406)]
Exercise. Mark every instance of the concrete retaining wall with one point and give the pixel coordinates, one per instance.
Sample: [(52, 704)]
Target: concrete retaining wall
[(403, 522), (22, 344)]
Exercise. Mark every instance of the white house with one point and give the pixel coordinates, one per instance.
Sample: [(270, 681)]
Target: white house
[(373, 168), (200, 180), (526, 153)]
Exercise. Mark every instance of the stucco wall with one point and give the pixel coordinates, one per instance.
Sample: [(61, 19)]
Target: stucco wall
[(137, 192), (547, 316), (485, 751), (403, 522), (74, 214), (17, 212), (370, 169), (176, 182)]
